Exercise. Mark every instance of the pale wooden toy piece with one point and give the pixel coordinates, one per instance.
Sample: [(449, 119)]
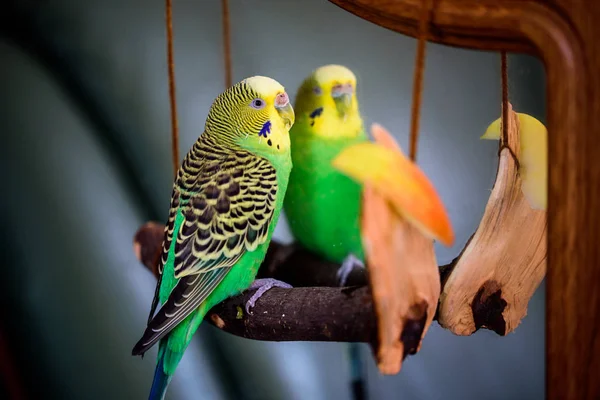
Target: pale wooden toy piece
[(505, 261), (397, 228)]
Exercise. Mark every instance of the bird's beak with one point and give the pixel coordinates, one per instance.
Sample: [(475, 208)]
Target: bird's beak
[(342, 96), (286, 112)]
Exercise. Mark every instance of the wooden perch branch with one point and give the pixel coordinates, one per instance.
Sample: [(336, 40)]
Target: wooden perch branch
[(308, 313), (299, 314)]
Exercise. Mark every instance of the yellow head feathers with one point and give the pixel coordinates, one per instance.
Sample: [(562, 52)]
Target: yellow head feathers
[(254, 114), (264, 86), (332, 74), (326, 103)]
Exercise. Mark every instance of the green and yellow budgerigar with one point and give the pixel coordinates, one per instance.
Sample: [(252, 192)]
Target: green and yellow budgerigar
[(323, 205), (226, 201)]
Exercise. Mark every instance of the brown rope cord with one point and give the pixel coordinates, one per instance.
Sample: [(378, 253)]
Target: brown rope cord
[(171, 70), (418, 78), (226, 42), (504, 75)]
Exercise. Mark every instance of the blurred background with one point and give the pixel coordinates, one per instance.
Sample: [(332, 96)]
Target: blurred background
[(85, 160)]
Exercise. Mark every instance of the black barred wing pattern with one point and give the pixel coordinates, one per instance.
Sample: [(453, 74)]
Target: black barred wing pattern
[(227, 204), (227, 200)]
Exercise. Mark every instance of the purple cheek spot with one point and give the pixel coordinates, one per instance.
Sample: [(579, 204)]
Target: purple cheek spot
[(265, 130), (316, 113)]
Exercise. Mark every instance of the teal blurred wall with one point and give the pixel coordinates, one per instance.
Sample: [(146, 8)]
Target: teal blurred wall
[(85, 158)]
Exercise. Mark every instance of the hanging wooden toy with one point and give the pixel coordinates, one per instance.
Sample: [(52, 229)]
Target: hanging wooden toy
[(504, 262)]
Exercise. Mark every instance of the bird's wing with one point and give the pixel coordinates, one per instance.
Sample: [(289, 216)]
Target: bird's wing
[(227, 202)]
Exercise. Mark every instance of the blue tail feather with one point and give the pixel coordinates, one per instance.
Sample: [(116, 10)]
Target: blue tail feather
[(160, 381), (357, 373)]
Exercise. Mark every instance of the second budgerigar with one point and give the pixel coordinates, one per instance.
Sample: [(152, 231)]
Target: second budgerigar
[(323, 205)]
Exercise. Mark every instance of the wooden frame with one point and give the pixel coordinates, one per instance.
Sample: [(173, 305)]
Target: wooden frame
[(564, 34)]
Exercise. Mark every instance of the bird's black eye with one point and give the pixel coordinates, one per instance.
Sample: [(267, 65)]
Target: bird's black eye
[(257, 103), (317, 90)]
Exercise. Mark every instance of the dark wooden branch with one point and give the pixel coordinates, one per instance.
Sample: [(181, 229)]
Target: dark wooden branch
[(304, 313), (322, 312)]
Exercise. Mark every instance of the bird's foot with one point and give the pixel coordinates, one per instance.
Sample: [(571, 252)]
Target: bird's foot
[(262, 285), (349, 263)]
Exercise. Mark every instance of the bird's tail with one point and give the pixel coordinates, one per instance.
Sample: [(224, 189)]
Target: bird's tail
[(161, 379), (357, 375)]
